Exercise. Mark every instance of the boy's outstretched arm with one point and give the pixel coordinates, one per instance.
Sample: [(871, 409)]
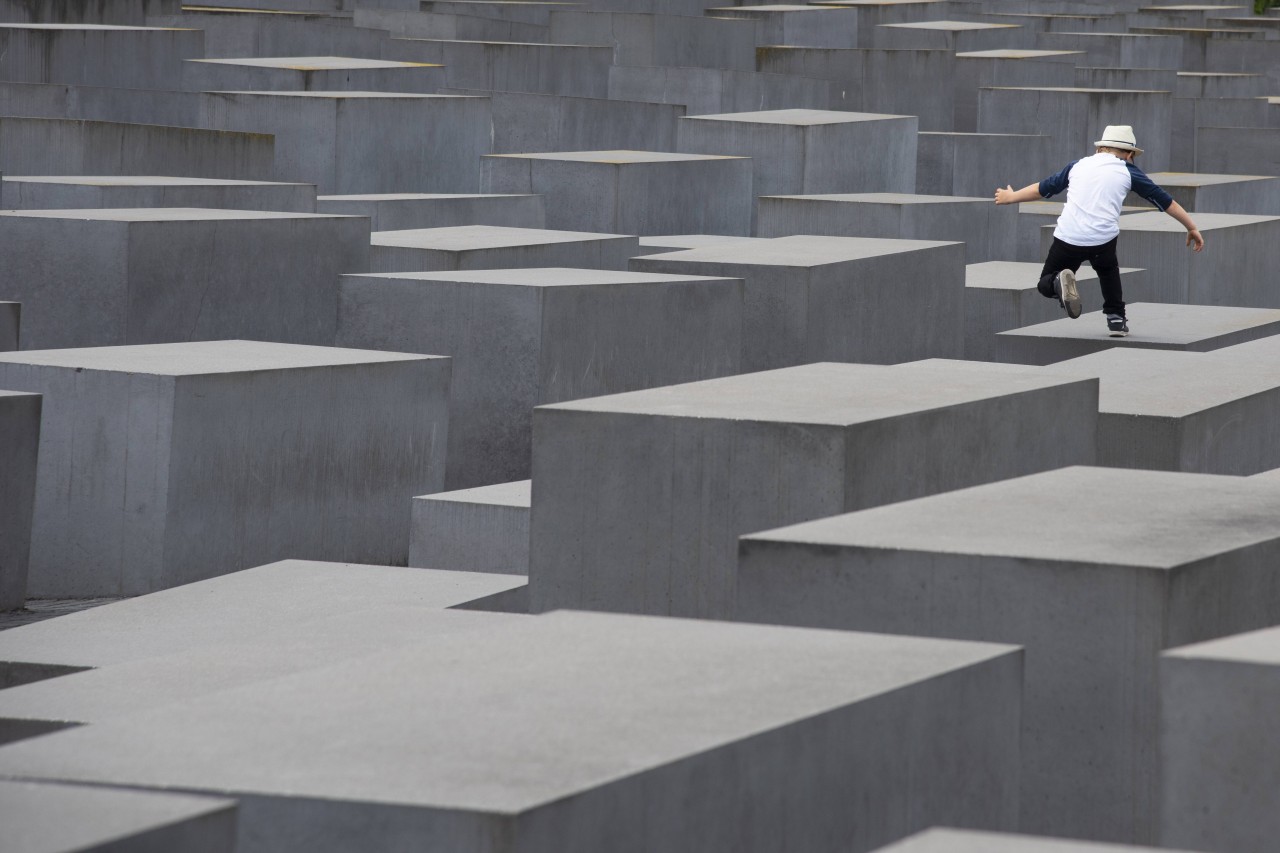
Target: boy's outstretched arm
[(1008, 195), (1194, 238)]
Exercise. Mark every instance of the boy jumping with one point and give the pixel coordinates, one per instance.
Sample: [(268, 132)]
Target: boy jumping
[(1089, 224)]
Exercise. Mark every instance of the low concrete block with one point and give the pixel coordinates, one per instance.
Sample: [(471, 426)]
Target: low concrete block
[(1258, 194), (1218, 757), (1192, 114), (1255, 150), (974, 164), (156, 275), (94, 54), (645, 38), (630, 192), (1118, 50), (1157, 79), (409, 211), (873, 13), (704, 91), (975, 70), (679, 242), (118, 12), (1093, 603), (522, 337), (100, 103), (10, 325), (233, 31), (31, 192), (940, 840), (476, 530), (1219, 84), (987, 231), (956, 36), (19, 445), (581, 70), (178, 462), (311, 74), (797, 25), (825, 298), (697, 465), (481, 247)]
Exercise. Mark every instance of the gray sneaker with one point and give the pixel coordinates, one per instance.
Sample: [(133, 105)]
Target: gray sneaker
[(1068, 293), (1117, 326)]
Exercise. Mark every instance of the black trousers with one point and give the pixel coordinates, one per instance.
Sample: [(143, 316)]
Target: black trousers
[(1065, 256)]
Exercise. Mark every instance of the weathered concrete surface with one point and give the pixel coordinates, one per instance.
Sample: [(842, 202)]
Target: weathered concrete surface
[(703, 91), (475, 530), (644, 38), (1117, 50), (801, 25), (96, 54), (118, 12), (479, 247), (311, 74), (697, 465), (974, 164), (679, 242), (100, 103), (975, 70), (57, 192), (10, 326), (956, 36), (408, 211), (236, 32), (19, 446), (1253, 150), (1093, 601), (168, 463), (1259, 194), (554, 69)]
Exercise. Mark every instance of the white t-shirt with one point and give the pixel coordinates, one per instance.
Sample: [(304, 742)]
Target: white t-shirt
[(1096, 189)]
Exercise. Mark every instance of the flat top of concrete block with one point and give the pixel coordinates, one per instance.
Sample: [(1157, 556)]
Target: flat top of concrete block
[(953, 26), (1156, 221), (1111, 35), (1120, 517), (602, 697), (993, 136), (618, 158), (940, 840), (342, 95), (879, 2), (1197, 179), (540, 277), (111, 27), (517, 494), (1188, 7), (62, 818), (493, 42), (316, 63), (775, 7), (142, 181), (885, 198), (796, 117), (1017, 275), (236, 607), (1216, 74), (1255, 647), (161, 214), (1157, 323), (1013, 53), (693, 241), (1080, 90), (827, 394), (194, 358), (419, 196), (463, 238), (802, 251), (7, 394)]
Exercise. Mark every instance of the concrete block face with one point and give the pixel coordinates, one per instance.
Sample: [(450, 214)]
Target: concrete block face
[(523, 337), (630, 192), (20, 430), (56, 146), (1118, 50), (137, 191), (976, 70), (98, 103), (1189, 115), (187, 461), (811, 151), (814, 298), (1254, 150), (263, 275), (940, 840), (409, 211), (553, 69), (478, 530), (695, 466), (1093, 611), (484, 247), (10, 325), (973, 164), (706, 90), (956, 36), (987, 231), (1218, 758), (680, 41), (96, 54), (232, 34), (902, 728), (72, 818), (1257, 194), (1217, 84), (811, 26), (117, 12), (426, 143), (311, 74)]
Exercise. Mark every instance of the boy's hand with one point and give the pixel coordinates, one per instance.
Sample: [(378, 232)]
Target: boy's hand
[(1194, 237), (1004, 195)]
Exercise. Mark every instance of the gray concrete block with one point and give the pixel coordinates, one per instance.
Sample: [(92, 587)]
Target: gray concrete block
[(813, 298), (901, 726), (1252, 150), (1093, 602), (100, 103), (1191, 114), (118, 12), (235, 32), (168, 463), (522, 337), (83, 819), (710, 90), (424, 143), (554, 69), (477, 530), (1196, 40), (1001, 295), (1074, 117), (1118, 50), (481, 247), (640, 38), (873, 13), (418, 23), (96, 54), (1258, 194), (956, 36), (55, 146), (695, 466), (58, 192), (19, 444), (630, 192), (1188, 328), (1219, 84), (800, 25), (406, 211), (311, 74), (988, 231), (156, 275), (941, 840), (974, 164), (1218, 755), (1156, 79), (1212, 413), (10, 326), (976, 70), (679, 242)]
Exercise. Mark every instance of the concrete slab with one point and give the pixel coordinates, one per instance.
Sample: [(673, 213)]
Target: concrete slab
[(10, 326), (1192, 114), (444, 763), (233, 32), (797, 25), (974, 164), (311, 74), (697, 465), (643, 38), (976, 70), (522, 337), (119, 12), (75, 819), (680, 242), (956, 36), (478, 530), (1218, 757), (1153, 325), (703, 91), (1219, 84), (156, 275), (1258, 194), (91, 54), (19, 444), (425, 143), (812, 298), (54, 192), (407, 211), (1118, 50), (1254, 150), (477, 247), (941, 840), (580, 70), (988, 231), (873, 13), (630, 192), (1093, 611), (100, 103), (168, 463)]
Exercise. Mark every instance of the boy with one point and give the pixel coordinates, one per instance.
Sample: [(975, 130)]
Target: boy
[(1089, 224)]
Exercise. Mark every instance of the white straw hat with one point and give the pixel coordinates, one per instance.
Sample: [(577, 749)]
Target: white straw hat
[(1119, 136)]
